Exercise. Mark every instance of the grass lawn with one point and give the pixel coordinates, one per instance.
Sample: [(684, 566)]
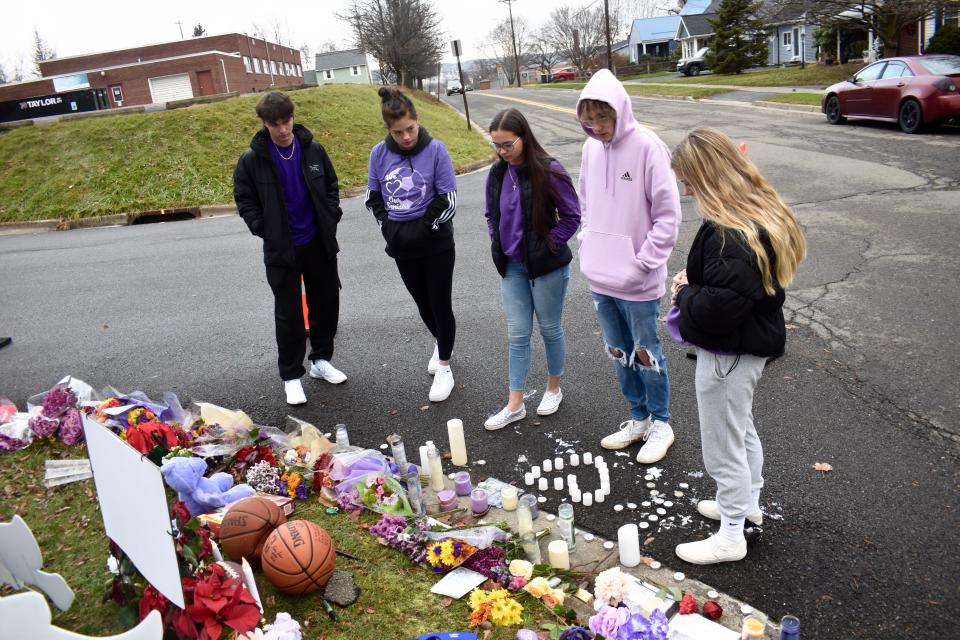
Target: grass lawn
[(642, 89), (185, 157), (395, 599), (796, 98), (815, 75)]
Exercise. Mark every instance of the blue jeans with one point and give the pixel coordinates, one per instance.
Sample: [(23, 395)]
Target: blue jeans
[(521, 299), (628, 328)]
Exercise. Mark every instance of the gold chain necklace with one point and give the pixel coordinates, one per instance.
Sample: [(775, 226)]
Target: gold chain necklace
[(293, 149)]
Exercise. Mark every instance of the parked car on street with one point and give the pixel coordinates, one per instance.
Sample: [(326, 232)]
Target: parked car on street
[(567, 73), (693, 65), (913, 91), (453, 86)]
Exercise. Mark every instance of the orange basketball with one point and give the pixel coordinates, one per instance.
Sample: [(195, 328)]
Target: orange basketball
[(298, 557), (246, 526)]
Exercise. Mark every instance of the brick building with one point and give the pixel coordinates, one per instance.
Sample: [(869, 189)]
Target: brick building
[(168, 71)]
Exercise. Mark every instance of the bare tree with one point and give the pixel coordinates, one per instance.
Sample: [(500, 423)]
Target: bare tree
[(543, 51), (403, 35), (17, 71), (483, 68), (3, 75), (41, 51), (578, 34), (328, 47), (306, 59), (500, 45), (199, 31)]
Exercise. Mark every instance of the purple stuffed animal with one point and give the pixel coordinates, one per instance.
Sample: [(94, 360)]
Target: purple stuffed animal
[(199, 493)]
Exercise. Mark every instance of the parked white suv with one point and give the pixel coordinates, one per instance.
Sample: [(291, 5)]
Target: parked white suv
[(453, 86), (693, 65)]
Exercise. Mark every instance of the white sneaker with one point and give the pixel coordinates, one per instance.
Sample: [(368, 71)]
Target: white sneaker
[(710, 509), (658, 440), (294, 390), (323, 370), (434, 360), (711, 551), (550, 402), (630, 431), (442, 385), (503, 418)]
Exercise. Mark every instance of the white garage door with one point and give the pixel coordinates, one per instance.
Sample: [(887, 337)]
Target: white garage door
[(167, 88)]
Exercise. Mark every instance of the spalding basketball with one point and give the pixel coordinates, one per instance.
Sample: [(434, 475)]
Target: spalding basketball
[(298, 557), (246, 526)]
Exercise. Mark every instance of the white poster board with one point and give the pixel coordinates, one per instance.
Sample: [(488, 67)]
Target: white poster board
[(133, 502)]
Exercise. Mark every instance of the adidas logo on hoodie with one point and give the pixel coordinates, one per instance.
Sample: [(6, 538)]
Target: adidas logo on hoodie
[(626, 176)]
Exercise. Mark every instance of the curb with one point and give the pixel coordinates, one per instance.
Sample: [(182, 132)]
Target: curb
[(787, 106)]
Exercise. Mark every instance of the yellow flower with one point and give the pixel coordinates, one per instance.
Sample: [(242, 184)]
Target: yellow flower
[(521, 569), (446, 555), (498, 594), (506, 612), (553, 598), (434, 553), (537, 587), (477, 598)]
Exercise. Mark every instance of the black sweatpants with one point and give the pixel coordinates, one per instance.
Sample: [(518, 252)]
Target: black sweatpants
[(430, 282), (322, 286)]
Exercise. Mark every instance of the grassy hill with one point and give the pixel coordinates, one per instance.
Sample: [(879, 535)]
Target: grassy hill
[(185, 157)]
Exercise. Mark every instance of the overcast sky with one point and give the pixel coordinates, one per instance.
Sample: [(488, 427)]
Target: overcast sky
[(73, 28)]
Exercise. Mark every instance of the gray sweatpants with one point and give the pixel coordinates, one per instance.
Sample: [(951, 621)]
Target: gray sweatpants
[(732, 454)]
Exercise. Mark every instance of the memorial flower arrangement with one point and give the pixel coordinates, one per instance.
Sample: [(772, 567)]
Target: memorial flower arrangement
[(407, 537), (497, 606), (448, 554), (58, 416), (619, 623), (610, 586)]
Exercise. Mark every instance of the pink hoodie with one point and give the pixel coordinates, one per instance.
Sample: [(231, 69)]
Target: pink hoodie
[(629, 202)]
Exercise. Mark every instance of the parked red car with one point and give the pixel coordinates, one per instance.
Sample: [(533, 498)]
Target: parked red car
[(568, 73), (913, 91)]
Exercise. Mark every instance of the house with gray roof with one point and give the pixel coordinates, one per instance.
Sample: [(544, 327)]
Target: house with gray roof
[(790, 25), (653, 37), (341, 67), (694, 29)]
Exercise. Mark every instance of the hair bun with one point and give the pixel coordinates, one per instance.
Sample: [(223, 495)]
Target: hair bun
[(385, 93)]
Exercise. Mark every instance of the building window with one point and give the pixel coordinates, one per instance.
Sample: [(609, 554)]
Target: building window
[(328, 74), (787, 39), (246, 64), (273, 67), (354, 70), (256, 65), (263, 63), (117, 94)]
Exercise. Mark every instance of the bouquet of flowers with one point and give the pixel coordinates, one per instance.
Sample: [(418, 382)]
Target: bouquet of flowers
[(448, 554), (58, 416), (497, 606), (382, 493)]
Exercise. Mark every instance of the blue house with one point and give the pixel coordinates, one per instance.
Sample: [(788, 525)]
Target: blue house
[(653, 37)]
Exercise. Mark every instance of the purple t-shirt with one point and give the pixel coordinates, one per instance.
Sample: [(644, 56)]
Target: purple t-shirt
[(300, 212), (409, 183), (511, 215)]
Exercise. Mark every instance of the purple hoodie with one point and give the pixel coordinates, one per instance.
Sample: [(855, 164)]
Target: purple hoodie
[(629, 203)]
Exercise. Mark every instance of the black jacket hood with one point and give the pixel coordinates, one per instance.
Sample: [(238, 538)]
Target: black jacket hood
[(261, 139)]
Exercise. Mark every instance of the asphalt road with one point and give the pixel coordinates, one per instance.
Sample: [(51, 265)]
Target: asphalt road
[(866, 551)]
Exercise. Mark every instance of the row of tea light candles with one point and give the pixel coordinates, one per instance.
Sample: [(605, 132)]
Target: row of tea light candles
[(576, 495)]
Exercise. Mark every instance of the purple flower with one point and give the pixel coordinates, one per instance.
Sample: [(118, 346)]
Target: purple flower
[(526, 634), (58, 400), (608, 620), (71, 428), (11, 444), (43, 426), (576, 633), (489, 562), (640, 628)]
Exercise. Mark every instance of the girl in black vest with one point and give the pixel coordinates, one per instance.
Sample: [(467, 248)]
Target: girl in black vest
[(532, 211), (728, 303)]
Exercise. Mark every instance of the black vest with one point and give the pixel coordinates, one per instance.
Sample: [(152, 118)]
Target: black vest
[(538, 257)]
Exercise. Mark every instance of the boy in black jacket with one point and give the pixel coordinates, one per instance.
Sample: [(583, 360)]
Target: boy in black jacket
[(286, 191)]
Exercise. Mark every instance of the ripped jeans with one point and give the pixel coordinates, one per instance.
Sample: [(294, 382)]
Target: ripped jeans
[(630, 335)]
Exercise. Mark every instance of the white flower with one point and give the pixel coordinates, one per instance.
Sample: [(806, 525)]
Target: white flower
[(113, 566), (283, 628), (610, 586)]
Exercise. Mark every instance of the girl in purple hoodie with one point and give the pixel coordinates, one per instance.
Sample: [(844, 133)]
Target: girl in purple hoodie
[(631, 216), (412, 193)]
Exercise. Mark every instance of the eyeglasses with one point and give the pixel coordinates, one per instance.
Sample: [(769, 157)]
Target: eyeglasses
[(592, 124), (506, 146)]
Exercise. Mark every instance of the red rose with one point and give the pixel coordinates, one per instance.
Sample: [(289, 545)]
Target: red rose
[(688, 604), (712, 610)]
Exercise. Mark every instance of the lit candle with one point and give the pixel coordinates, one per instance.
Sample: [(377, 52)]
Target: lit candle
[(535, 470), (478, 501), (424, 460), (509, 497), (628, 537), (559, 555), (558, 463), (543, 484), (458, 448), (574, 460), (547, 466), (587, 499), (558, 484), (588, 458)]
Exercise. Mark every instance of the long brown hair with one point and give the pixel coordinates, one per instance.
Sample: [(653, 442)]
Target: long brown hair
[(394, 104), (731, 193), (538, 168)]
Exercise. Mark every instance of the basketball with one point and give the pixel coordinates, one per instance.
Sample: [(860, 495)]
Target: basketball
[(246, 526), (298, 557)]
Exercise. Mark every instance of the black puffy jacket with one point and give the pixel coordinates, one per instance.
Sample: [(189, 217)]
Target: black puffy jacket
[(259, 196), (725, 308)]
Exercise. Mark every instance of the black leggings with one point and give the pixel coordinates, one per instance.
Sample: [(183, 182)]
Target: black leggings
[(430, 282)]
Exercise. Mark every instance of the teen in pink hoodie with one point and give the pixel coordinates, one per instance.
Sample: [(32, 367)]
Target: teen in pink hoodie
[(631, 216)]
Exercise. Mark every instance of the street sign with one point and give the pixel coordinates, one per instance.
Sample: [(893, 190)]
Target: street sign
[(455, 48)]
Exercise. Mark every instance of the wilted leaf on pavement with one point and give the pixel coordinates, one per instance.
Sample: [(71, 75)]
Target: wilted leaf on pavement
[(823, 466)]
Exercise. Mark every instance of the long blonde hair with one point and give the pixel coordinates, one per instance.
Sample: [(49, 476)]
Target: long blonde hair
[(732, 194)]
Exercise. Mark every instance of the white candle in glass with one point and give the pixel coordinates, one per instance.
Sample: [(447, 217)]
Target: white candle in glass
[(598, 495), (509, 497), (571, 479), (574, 460), (559, 554), (544, 484), (424, 460), (558, 484), (598, 462), (535, 470), (547, 466), (587, 499), (458, 447), (436, 469), (528, 479), (588, 458), (575, 495), (628, 537), (558, 463)]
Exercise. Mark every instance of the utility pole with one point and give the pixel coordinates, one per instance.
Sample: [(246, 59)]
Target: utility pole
[(513, 39), (456, 50), (180, 24), (606, 17)]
